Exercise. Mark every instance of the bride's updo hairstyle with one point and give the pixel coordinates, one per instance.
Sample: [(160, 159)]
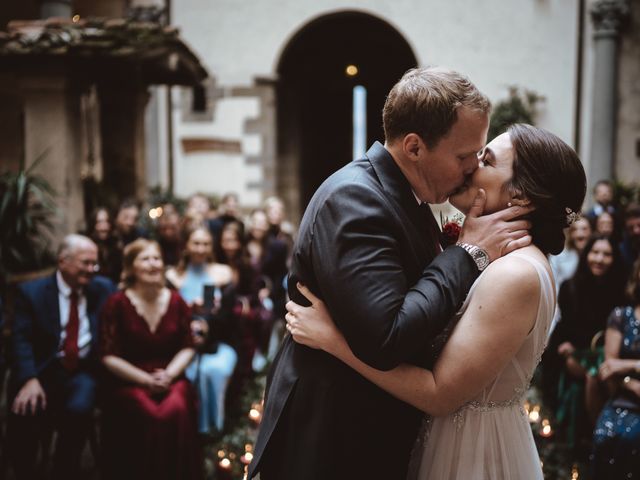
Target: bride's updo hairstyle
[(549, 173)]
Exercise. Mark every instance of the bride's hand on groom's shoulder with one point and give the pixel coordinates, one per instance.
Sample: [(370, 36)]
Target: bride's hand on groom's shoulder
[(312, 326), (499, 233)]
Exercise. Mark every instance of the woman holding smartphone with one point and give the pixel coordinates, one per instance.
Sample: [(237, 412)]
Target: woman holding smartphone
[(205, 285)]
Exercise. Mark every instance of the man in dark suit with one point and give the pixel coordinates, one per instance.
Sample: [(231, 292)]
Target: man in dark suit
[(367, 246), (54, 338)]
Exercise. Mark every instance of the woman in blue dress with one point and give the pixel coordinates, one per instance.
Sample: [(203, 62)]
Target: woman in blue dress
[(205, 285), (616, 438)]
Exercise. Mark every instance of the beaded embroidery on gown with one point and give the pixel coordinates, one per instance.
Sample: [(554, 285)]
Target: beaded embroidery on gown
[(490, 437)]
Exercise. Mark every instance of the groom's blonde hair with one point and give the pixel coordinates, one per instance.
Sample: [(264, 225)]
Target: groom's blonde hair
[(425, 101)]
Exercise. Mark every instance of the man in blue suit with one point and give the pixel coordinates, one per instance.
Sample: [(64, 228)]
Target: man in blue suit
[(54, 339)]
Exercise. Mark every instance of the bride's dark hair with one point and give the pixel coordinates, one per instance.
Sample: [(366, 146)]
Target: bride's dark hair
[(549, 173)]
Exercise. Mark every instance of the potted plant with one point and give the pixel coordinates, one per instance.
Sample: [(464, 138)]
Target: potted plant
[(27, 210)]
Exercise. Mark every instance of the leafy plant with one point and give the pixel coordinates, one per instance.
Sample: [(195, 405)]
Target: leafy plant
[(27, 209), (625, 193), (520, 107)]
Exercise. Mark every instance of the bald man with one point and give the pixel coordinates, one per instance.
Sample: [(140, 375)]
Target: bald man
[(54, 335)]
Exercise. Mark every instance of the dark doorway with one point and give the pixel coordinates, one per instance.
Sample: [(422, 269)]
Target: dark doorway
[(315, 95)]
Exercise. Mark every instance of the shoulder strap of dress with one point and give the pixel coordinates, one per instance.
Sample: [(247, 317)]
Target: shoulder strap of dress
[(546, 305), (543, 272)]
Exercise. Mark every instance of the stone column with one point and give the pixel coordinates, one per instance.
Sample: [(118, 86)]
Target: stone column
[(122, 109), (55, 8), (607, 17), (53, 133)]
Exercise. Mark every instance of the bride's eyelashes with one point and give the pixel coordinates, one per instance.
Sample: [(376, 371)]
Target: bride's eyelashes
[(485, 158)]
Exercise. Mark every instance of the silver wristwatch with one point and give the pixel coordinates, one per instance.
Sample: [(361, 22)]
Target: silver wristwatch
[(480, 256)]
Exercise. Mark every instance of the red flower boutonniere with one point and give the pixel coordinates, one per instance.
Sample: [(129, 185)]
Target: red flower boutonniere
[(451, 229)]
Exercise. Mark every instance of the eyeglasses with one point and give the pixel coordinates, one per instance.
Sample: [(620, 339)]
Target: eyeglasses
[(90, 264)]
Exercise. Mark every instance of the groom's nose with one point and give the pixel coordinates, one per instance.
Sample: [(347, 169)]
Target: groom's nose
[(471, 165)]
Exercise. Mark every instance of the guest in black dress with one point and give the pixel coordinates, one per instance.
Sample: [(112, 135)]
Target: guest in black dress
[(616, 438)]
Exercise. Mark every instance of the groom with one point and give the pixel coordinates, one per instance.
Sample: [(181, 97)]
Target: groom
[(368, 246)]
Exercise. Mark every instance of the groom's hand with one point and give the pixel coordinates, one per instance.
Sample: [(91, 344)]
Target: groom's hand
[(499, 233)]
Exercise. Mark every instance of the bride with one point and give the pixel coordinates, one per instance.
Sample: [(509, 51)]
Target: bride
[(474, 394)]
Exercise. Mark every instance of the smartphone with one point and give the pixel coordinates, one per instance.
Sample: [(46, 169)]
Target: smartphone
[(208, 298)]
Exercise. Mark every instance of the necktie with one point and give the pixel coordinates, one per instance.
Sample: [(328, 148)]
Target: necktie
[(70, 346)]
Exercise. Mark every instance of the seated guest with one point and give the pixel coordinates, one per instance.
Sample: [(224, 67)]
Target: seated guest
[(605, 224), (198, 207), (269, 257), (149, 409), (253, 310), (585, 301), (100, 230), (126, 224), (616, 438), (279, 227), (630, 245), (168, 234), (55, 332), (228, 211), (603, 201), (564, 265), (215, 333)]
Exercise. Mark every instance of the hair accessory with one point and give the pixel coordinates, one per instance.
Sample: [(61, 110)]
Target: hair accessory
[(571, 216)]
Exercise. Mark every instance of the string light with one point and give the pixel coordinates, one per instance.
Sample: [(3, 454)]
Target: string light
[(546, 429), (155, 213), (534, 415), (255, 413), (574, 472), (225, 463), (75, 18)]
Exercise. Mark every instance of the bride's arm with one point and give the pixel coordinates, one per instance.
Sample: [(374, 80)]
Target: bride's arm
[(501, 313)]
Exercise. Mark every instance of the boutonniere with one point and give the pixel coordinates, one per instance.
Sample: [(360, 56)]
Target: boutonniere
[(451, 228)]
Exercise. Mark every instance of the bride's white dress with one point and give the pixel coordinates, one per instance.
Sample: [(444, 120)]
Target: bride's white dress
[(490, 437)]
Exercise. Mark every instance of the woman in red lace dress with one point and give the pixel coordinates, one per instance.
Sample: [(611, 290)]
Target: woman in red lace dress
[(149, 411)]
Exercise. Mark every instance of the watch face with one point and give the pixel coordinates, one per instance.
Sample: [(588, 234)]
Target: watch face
[(482, 259)]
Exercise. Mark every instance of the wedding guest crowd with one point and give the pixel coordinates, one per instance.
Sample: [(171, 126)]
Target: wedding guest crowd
[(592, 389), (161, 323), (158, 323)]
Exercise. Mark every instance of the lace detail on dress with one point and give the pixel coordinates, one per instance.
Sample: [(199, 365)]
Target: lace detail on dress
[(418, 447), (489, 436), (517, 399)]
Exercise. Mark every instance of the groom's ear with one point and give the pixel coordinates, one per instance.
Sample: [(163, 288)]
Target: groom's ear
[(411, 145)]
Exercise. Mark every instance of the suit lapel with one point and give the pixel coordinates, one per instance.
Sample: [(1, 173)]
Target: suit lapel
[(398, 188), (53, 306)]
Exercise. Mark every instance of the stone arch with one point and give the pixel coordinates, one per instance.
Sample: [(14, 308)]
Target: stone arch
[(314, 96)]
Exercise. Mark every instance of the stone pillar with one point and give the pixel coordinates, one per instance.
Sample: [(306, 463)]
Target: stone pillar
[(55, 8), (53, 133), (122, 116), (607, 17)]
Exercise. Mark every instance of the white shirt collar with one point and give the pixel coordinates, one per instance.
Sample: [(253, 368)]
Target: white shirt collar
[(63, 287)]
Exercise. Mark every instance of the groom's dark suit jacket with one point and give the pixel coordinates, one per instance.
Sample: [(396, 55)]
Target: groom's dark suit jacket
[(367, 249)]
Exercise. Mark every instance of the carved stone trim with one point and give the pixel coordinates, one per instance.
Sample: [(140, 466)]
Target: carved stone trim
[(608, 16)]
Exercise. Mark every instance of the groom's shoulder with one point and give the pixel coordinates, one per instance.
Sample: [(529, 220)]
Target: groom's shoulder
[(356, 176)]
